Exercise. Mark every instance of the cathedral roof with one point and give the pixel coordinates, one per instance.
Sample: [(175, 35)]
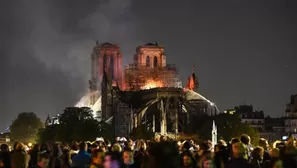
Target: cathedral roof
[(151, 45), (107, 44)]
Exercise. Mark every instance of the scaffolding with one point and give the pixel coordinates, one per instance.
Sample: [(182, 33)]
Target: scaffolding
[(135, 78), (123, 119)]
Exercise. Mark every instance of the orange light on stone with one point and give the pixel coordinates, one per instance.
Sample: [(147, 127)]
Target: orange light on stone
[(150, 84)]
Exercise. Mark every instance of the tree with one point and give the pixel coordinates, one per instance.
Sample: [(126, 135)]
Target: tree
[(78, 124), (228, 127), (75, 124), (25, 127)]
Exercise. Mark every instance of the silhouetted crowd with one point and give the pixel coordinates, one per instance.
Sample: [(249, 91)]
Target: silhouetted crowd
[(159, 153)]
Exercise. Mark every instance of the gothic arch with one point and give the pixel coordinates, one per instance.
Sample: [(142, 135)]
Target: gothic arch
[(155, 61), (147, 61)]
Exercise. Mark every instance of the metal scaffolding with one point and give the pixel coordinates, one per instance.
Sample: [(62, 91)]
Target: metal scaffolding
[(136, 77), (123, 119)]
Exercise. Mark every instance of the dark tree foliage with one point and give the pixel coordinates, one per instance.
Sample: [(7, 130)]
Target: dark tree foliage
[(228, 126), (75, 124), (25, 127)]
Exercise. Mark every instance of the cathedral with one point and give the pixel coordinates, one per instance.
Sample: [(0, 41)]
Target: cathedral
[(148, 70), (147, 91)]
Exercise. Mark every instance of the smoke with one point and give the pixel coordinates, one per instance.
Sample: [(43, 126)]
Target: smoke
[(47, 47), (64, 33)]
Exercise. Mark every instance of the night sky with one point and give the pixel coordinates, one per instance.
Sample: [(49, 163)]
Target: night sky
[(244, 50)]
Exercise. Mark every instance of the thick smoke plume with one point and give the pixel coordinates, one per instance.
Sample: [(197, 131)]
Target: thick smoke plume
[(47, 46)]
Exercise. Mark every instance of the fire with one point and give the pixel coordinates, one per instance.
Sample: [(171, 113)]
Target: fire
[(150, 84)]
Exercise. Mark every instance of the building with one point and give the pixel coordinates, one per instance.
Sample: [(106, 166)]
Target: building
[(291, 116), (192, 81), (4, 138), (150, 70), (254, 118), (274, 129), (52, 120), (112, 92)]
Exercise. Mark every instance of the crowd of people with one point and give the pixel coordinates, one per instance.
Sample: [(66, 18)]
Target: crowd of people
[(160, 153)]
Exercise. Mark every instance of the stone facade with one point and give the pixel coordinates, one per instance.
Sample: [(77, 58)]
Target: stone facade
[(150, 55)]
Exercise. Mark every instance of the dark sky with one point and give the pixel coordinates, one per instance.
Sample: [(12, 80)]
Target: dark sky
[(244, 51)]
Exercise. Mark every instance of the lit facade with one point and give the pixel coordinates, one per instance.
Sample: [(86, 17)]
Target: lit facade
[(274, 129), (254, 118)]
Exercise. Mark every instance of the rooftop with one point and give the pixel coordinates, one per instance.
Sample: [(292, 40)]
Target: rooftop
[(109, 45), (150, 45)]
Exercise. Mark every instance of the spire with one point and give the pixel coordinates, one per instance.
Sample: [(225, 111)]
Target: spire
[(193, 69), (214, 127), (48, 121), (214, 134), (97, 42)]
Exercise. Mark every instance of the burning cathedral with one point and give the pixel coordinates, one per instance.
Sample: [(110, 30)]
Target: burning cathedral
[(147, 91)]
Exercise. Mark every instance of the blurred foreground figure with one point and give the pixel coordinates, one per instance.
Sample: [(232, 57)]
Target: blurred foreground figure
[(163, 154), (19, 157), (43, 161), (83, 158)]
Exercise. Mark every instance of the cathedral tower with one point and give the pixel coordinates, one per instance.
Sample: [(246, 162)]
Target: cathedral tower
[(106, 57), (150, 55)]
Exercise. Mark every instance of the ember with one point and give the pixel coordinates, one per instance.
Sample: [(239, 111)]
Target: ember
[(150, 84)]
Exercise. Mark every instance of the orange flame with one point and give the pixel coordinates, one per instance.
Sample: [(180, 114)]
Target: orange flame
[(150, 84)]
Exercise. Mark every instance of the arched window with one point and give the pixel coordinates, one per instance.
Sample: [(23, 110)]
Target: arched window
[(104, 62), (155, 61), (111, 66), (148, 61)]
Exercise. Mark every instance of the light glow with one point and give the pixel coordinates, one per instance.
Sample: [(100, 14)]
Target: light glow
[(150, 84)]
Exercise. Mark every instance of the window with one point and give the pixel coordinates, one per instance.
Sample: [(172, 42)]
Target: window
[(155, 61), (148, 60)]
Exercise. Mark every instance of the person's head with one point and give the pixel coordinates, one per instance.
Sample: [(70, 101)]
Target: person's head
[(43, 160), (140, 145), (116, 148), (128, 157), (291, 141), (83, 146), (187, 160), (206, 161), (111, 160), (20, 146), (239, 150), (4, 148), (98, 156), (264, 143), (186, 146), (234, 140), (94, 147), (204, 147), (274, 153), (258, 153), (244, 138)]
